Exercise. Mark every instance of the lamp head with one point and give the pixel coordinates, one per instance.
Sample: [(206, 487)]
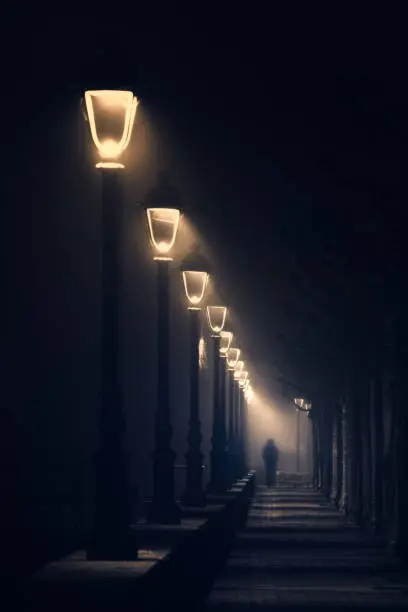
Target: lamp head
[(232, 358), (195, 284), (242, 379), (216, 319), (226, 339), (111, 115), (163, 225)]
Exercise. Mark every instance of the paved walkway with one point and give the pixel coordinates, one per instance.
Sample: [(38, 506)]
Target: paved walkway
[(297, 551)]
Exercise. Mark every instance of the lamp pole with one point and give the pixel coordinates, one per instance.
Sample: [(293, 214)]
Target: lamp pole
[(111, 538), (223, 418), (232, 356), (297, 440), (238, 421), (163, 508), (231, 427), (303, 405), (163, 224), (195, 282), (244, 434), (218, 475), (194, 493)]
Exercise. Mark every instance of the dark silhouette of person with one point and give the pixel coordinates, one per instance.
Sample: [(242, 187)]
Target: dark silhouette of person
[(270, 456)]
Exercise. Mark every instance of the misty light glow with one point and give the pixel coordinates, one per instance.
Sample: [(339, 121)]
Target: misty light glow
[(269, 418), (163, 225), (216, 318), (226, 339), (195, 284), (232, 358), (111, 115)]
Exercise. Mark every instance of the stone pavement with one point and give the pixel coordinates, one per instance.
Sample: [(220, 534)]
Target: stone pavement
[(298, 551)]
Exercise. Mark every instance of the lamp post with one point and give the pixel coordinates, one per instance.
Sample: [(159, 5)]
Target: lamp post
[(163, 225), (304, 406), (111, 116), (243, 425), (232, 359), (239, 368), (195, 283), (218, 475), (225, 342), (248, 395), (299, 403)]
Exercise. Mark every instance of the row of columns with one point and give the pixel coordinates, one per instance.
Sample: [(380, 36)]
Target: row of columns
[(360, 447)]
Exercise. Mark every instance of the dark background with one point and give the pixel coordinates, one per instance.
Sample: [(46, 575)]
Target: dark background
[(286, 146)]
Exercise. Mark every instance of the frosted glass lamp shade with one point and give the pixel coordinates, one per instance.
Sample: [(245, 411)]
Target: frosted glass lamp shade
[(111, 115)]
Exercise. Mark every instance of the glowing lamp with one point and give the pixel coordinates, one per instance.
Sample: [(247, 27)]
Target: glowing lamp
[(226, 339), (238, 370), (194, 285), (111, 114), (242, 379), (232, 358), (163, 225), (299, 401), (216, 318), (307, 406)]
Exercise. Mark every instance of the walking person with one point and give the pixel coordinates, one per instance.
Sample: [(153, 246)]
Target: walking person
[(270, 456)]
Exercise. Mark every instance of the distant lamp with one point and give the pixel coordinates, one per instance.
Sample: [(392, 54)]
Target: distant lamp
[(307, 406), (242, 379), (232, 358), (238, 370), (226, 339), (194, 285), (163, 225), (216, 318), (111, 114), (299, 401)]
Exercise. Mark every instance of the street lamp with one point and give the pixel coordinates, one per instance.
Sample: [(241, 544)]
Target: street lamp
[(111, 116), (163, 224), (244, 386), (232, 362), (218, 477), (195, 283), (239, 408), (305, 406), (225, 343)]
